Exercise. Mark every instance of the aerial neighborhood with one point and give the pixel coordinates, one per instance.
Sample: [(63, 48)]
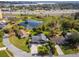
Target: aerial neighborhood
[(44, 30)]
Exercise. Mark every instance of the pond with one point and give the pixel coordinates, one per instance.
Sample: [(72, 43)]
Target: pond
[(30, 24)]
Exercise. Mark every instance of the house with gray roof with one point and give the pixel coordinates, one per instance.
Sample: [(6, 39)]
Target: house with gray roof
[(3, 23), (40, 38), (37, 41)]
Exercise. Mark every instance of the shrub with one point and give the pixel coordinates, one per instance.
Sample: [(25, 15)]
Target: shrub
[(1, 36), (43, 50)]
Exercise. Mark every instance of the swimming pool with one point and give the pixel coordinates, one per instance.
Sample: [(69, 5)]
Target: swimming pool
[(30, 24)]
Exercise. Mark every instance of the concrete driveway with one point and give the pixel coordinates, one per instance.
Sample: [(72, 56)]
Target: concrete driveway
[(59, 51), (34, 50), (15, 51)]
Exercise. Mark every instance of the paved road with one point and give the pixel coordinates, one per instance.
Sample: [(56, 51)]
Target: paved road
[(16, 52)]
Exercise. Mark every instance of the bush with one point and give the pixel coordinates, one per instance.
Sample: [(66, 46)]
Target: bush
[(1, 36), (28, 48), (52, 46), (43, 50), (21, 27), (6, 30)]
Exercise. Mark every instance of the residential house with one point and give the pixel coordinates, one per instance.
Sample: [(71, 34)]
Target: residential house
[(3, 23), (23, 33), (40, 38), (58, 40), (37, 40)]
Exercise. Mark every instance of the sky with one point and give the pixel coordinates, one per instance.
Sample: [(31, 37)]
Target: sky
[(39, 0)]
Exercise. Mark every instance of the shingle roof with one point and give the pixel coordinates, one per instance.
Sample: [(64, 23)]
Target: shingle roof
[(43, 37), (35, 38), (39, 37)]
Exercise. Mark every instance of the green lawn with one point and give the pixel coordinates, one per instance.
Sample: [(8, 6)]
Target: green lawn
[(19, 21), (69, 51), (3, 54), (8, 26), (19, 43), (55, 54), (46, 32), (45, 19), (9, 52), (1, 44)]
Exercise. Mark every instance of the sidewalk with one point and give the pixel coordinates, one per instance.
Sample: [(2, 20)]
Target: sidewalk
[(3, 48)]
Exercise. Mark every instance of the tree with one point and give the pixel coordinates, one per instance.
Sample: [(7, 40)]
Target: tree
[(43, 50), (52, 46), (76, 25), (73, 39), (67, 24), (34, 29), (43, 28), (70, 24), (1, 36), (6, 30), (64, 33), (21, 27), (76, 16)]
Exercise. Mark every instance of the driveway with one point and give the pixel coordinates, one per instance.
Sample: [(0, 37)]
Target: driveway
[(60, 52), (34, 48), (16, 52)]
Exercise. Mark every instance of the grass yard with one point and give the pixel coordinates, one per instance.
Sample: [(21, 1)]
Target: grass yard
[(3, 54), (69, 51), (19, 21), (9, 53), (55, 54), (19, 43), (8, 26), (46, 32), (1, 44), (33, 33)]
